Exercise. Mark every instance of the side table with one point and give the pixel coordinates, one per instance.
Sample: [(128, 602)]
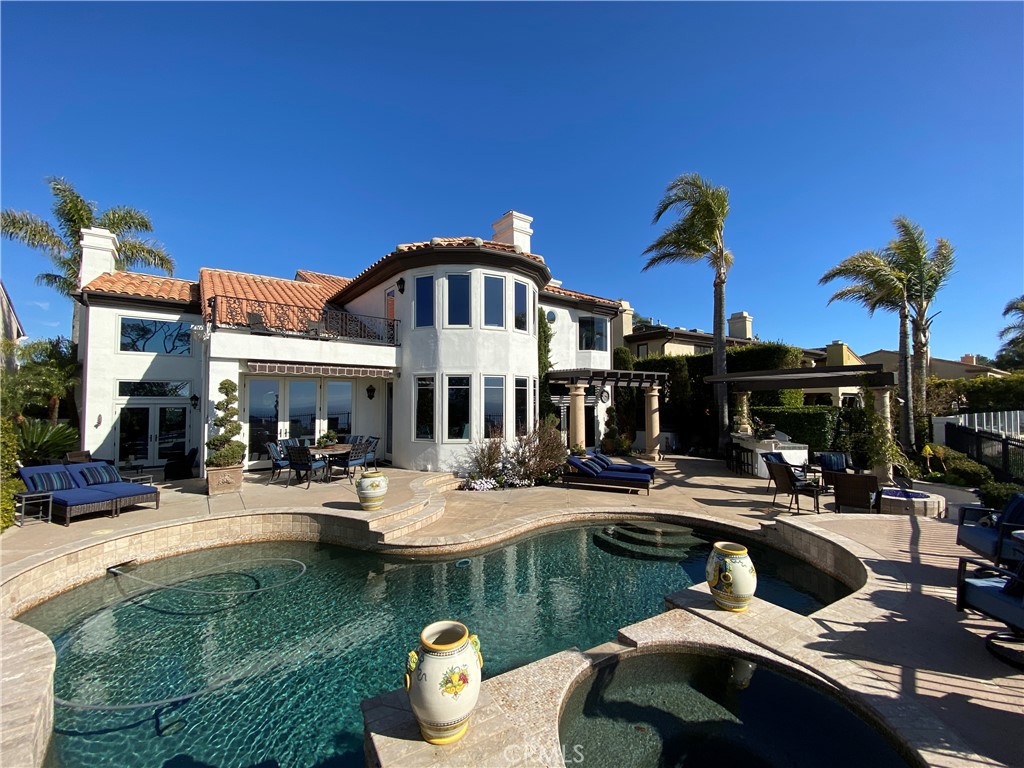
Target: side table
[(41, 500)]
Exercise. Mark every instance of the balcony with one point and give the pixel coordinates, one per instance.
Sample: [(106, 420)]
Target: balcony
[(270, 319)]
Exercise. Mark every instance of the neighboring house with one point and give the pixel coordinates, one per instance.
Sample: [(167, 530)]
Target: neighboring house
[(12, 329), (967, 367), (432, 347)]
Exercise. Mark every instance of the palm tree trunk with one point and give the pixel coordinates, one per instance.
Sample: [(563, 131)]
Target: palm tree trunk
[(922, 354), (721, 388), (906, 390)]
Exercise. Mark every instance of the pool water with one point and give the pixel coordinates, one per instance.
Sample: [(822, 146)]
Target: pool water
[(288, 638)]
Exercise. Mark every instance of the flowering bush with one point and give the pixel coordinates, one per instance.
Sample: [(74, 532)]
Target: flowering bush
[(533, 458)]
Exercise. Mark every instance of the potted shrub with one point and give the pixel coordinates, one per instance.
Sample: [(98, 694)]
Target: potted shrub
[(224, 462)]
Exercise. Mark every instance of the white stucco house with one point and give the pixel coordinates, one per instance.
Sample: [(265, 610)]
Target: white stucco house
[(432, 347)]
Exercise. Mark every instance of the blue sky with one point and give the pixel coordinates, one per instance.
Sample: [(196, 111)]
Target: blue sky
[(266, 137)]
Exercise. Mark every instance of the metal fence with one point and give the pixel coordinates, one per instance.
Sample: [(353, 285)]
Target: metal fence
[(1003, 455), (288, 320), (1001, 422)]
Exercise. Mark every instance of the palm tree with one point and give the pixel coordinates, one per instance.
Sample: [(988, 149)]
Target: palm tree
[(698, 235), (927, 272), (1014, 332), (878, 282), (48, 372), (62, 245)]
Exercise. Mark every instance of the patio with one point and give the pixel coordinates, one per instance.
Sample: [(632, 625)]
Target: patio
[(901, 631)]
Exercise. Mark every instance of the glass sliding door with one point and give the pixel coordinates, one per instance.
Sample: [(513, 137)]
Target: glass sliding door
[(171, 432), (133, 434), (339, 407), (264, 414), (302, 409)]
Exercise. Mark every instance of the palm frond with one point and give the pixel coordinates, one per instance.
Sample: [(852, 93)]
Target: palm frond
[(133, 253), (1015, 329), (123, 220), (27, 228), (72, 211)]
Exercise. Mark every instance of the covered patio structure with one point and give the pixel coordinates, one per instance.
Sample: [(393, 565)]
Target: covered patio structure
[(579, 379)]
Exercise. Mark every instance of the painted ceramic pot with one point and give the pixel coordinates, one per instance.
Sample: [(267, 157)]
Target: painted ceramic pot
[(371, 488), (731, 576), (443, 680)]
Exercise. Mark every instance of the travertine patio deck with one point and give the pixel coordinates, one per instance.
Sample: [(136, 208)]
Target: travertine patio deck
[(913, 640)]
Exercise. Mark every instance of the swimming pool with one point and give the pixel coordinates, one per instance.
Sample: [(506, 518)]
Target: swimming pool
[(289, 637)]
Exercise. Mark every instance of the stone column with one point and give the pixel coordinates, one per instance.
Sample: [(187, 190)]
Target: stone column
[(577, 418), (881, 395), (652, 422)]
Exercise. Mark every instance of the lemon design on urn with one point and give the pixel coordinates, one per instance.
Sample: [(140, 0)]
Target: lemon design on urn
[(731, 576)]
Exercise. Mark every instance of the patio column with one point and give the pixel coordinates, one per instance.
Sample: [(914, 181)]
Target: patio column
[(652, 421), (742, 408), (577, 416), (881, 395)]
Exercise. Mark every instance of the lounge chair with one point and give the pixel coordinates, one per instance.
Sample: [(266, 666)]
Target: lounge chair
[(999, 594), (587, 473), (614, 466), (776, 457), (987, 531), (858, 491), (786, 482)]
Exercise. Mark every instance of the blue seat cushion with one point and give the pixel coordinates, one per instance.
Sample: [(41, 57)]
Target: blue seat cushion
[(632, 477), (983, 540), (582, 467), (124, 490), (80, 496), (615, 466), (988, 596)]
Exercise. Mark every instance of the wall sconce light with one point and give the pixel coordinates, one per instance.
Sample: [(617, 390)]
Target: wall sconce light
[(401, 285), (370, 392), (195, 402)]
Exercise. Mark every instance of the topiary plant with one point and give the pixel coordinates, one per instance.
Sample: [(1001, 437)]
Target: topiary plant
[(225, 451), (9, 483)]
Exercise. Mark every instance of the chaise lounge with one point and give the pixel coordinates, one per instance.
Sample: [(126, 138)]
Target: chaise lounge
[(79, 489), (987, 531), (586, 472), (607, 464), (999, 594)]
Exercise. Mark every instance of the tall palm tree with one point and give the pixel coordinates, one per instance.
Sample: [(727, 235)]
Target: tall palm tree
[(62, 244), (698, 235), (877, 281), (1014, 332), (927, 273)]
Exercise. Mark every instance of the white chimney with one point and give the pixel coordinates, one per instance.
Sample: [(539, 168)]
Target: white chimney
[(741, 325), (99, 252), (514, 229)]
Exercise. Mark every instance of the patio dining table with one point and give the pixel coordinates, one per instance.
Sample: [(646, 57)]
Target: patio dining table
[(327, 452)]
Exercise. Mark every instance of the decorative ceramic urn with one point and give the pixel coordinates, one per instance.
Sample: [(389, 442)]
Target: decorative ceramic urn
[(731, 576), (443, 680), (371, 488)]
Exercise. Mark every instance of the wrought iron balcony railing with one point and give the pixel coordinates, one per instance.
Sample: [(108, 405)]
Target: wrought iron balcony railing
[(265, 317)]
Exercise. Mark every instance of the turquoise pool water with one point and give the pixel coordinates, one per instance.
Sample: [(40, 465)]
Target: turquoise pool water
[(289, 637)]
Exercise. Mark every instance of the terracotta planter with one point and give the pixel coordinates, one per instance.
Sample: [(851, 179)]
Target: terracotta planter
[(223, 480), (731, 576), (443, 680)]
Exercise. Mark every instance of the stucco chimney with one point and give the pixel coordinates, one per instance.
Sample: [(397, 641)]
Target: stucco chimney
[(741, 325), (514, 229), (99, 251), (837, 353), (969, 360)]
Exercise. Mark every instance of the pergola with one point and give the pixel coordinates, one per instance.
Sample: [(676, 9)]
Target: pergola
[(578, 379), (872, 377)]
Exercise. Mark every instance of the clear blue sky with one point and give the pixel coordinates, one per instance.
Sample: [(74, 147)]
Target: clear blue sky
[(267, 137)]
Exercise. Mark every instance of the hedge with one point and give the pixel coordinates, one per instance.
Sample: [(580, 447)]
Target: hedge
[(814, 425)]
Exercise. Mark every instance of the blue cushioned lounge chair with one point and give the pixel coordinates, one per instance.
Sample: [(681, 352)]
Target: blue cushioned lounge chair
[(999, 594), (987, 531), (615, 466), (586, 472)]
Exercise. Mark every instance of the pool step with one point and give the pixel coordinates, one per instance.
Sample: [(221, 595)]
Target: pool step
[(644, 551), (654, 534)]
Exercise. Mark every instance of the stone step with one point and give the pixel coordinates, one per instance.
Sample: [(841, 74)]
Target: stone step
[(397, 526), (654, 534), (641, 551)]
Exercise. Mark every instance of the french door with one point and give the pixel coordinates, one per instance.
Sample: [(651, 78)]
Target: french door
[(151, 434)]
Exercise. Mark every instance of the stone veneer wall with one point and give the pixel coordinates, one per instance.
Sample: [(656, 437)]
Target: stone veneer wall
[(806, 541), (29, 662)]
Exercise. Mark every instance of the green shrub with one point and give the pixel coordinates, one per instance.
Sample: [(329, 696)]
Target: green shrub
[(39, 440), (814, 425), (9, 483), (971, 472), (995, 495), (225, 451)]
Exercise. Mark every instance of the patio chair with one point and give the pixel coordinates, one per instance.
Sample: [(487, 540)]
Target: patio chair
[(180, 467), (776, 457), (257, 324), (987, 531), (999, 594), (277, 461), (858, 491), (349, 461), (786, 482), (300, 460), (371, 451)]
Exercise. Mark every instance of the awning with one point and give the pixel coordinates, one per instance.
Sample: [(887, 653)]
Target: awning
[(598, 377), (808, 378), (317, 369)]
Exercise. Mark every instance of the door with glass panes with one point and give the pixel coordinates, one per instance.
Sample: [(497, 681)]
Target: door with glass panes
[(151, 434)]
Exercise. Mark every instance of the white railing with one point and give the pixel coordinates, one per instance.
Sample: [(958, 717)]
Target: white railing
[(1000, 422)]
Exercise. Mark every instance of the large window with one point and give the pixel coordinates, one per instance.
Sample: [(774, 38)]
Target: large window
[(522, 318), (154, 388), (458, 300), (425, 408), (641, 351), (494, 406), (458, 407), (494, 301), (522, 393), (339, 407), (594, 333), (160, 336), (425, 302)]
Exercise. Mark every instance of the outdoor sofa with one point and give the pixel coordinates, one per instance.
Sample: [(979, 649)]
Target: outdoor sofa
[(987, 531), (79, 489), (586, 472)]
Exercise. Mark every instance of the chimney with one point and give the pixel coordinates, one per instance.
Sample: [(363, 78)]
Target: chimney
[(969, 360), (741, 325), (99, 250), (837, 353), (514, 229)]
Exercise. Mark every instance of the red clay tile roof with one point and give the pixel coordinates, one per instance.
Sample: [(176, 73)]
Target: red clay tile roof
[(333, 282), (558, 291), (145, 286), (225, 284), (465, 242)]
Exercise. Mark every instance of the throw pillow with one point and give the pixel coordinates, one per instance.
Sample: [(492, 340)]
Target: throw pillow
[(99, 474), (53, 481)]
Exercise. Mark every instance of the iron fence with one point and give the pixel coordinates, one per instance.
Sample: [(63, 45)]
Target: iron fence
[(289, 320), (1003, 455)]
